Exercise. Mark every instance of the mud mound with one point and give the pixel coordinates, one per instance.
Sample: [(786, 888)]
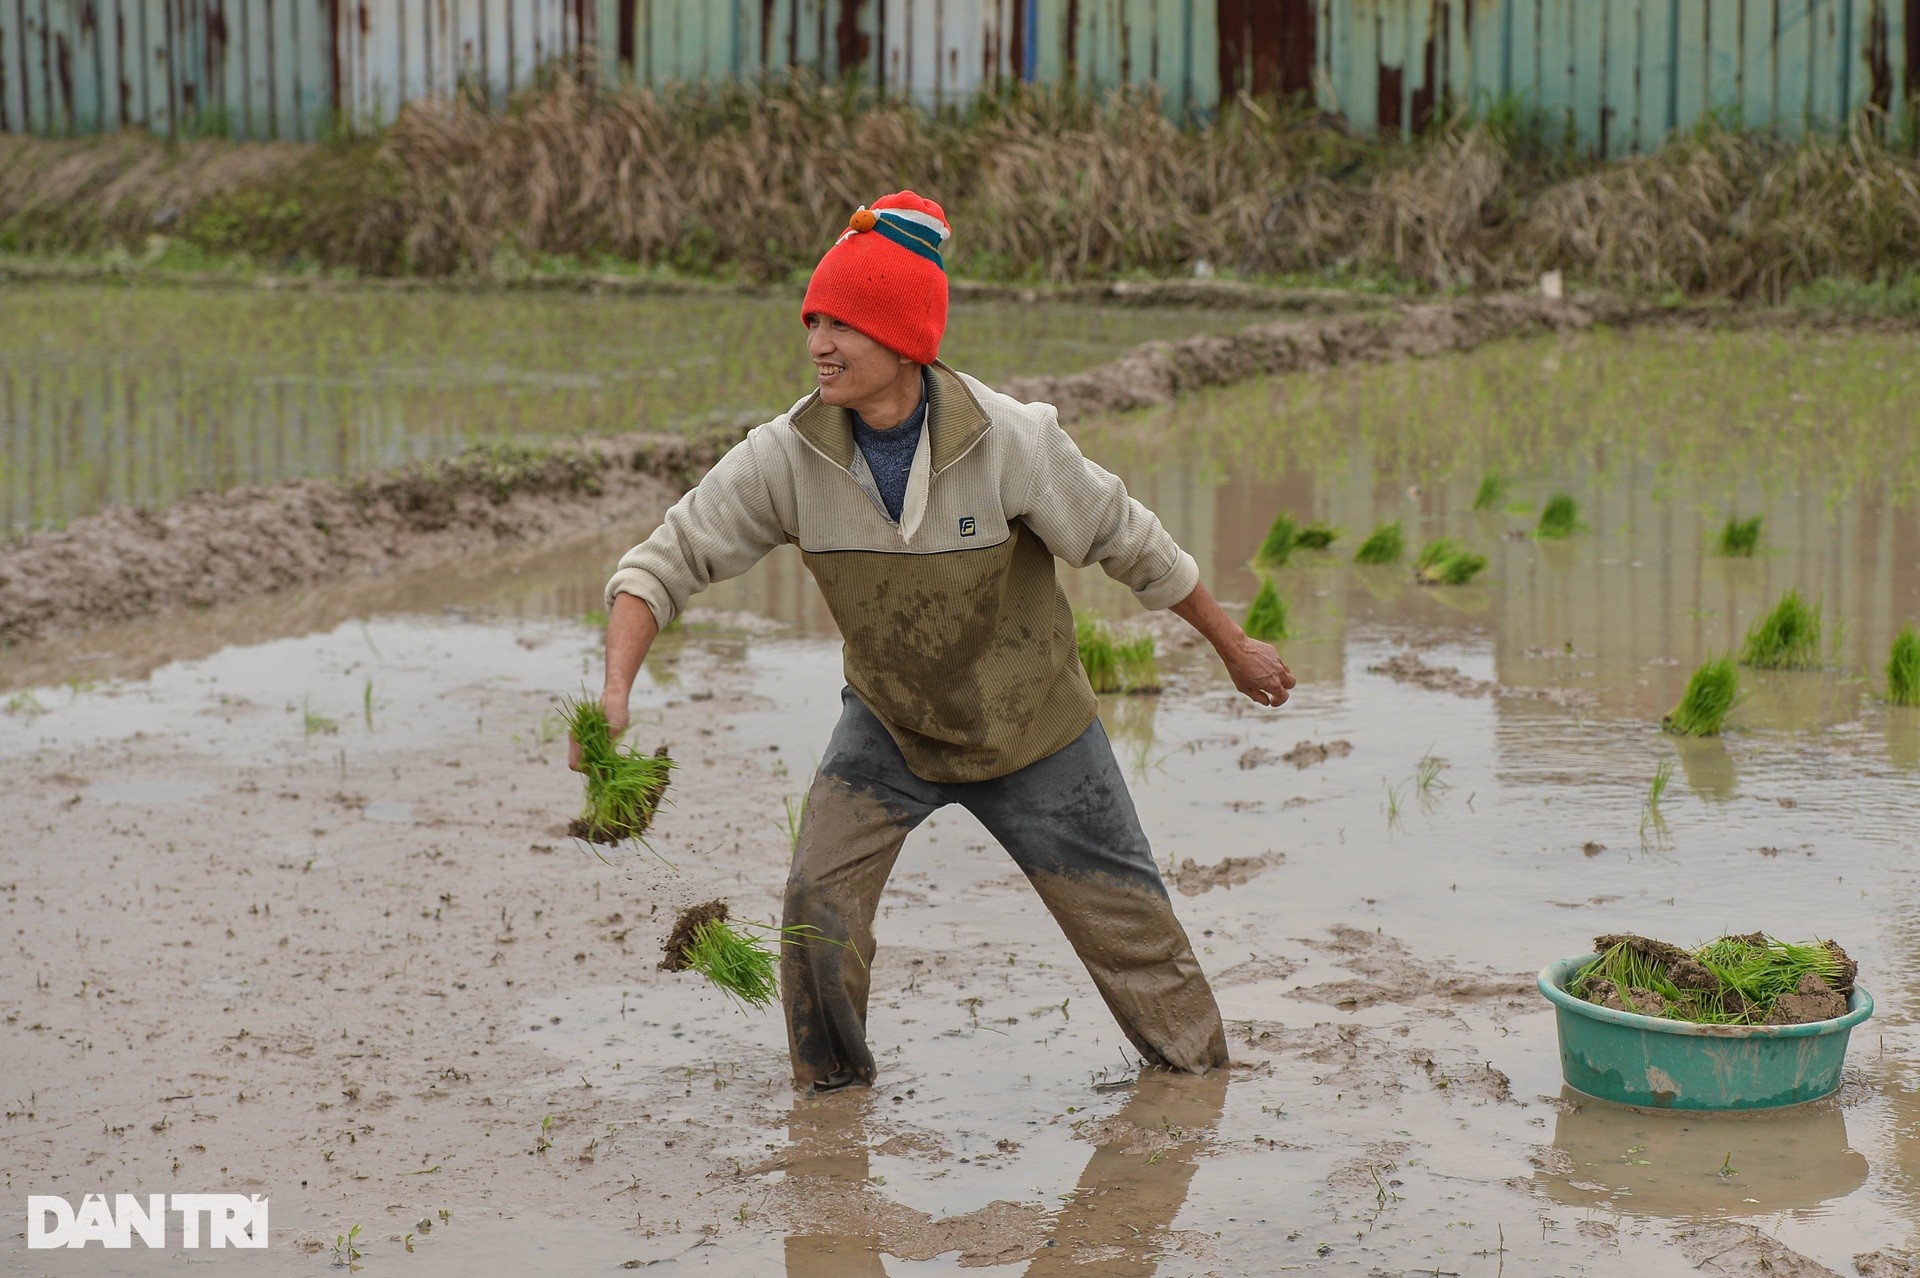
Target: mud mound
[(1191, 878), (1159, 371), (211, 548), (675, 946), (1388, 972)]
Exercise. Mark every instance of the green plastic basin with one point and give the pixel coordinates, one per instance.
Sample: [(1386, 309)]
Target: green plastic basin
[(1657, 1064)]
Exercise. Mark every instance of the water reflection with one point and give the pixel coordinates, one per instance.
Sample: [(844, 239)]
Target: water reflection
[(1136, 1180), (1682, 1166)]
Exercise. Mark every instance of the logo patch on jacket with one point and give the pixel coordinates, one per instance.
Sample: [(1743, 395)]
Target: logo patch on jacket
[(967, 527)]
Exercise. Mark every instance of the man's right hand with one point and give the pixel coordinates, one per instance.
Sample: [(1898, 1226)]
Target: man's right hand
[(618, 718)]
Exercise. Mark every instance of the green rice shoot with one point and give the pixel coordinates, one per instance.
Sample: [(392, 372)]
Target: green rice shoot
[(1114, 665), (1903, 668), (740, 966), (1740, 538), (1662, 777), (1267, 615), (1316, 536), (1788, 638), (624, 787), (1711, 693), (1384, 545), (1493, 491), (1752, 973), (1277, 544), (1560, 517), (1445, 562)]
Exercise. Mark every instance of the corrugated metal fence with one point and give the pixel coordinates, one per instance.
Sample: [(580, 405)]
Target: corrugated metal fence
[(1619, 74)]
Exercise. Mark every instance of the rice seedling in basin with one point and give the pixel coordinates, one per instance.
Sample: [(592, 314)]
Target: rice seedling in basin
[(1384, 545), (1267, 615), (1277, 545), (1788, 638), (624, 787), (1711, 693), (1445, 562), (1560, 517), (1736, 980), (1316, 537), (1903, 668), (1740, 537), (1492, 491)]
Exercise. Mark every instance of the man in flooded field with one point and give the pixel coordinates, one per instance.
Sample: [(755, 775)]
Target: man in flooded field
[(930, 510)]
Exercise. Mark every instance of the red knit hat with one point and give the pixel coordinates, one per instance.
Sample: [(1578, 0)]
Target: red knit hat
[(884, 276)]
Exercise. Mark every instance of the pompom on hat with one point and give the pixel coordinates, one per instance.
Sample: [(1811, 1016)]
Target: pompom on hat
[(884, 276)]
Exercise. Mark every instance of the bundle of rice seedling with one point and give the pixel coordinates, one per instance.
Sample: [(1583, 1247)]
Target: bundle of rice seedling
[(1736, 980), (740, 965), (1560, 517), (1788, 638), (1710, 694), (1277, 545), (1740, 538), (1114, 665), (1903, 668), (1384, 545), (1267, 616), (1493, 491), (1316, 537), (624, 787), (1445, 562)]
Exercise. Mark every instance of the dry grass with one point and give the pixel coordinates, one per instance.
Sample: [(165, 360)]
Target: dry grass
[(754, 181)]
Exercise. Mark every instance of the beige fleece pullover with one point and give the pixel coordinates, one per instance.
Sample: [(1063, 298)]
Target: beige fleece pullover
[(958, 635)]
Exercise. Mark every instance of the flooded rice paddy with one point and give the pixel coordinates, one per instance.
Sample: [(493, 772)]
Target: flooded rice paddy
[(143, 395), (348, 801)]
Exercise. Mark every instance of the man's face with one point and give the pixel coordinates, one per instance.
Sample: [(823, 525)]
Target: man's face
[(849, 366)]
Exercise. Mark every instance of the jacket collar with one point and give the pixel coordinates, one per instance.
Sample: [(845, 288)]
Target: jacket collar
[(955, 421)]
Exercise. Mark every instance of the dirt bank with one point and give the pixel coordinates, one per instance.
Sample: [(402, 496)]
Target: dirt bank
[(214, 548)]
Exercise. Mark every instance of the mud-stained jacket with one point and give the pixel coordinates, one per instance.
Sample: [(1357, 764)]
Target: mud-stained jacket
[(958, 635)]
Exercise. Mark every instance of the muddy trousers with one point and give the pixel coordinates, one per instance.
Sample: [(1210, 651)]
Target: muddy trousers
[(1068, 822)]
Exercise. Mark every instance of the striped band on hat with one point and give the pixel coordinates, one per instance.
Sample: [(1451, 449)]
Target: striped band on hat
[(920, 233)]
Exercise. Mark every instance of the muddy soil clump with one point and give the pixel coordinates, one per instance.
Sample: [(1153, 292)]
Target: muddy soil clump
[(684, 929)]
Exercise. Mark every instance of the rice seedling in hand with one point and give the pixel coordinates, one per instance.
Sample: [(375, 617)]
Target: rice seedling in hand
[(1316, 537), (1445, 562), (1277, 544), (1788, 638), (1492, 491), (1740, 538), (1710, 694), (624, 787), (1560, 517), (1903, 668), (1384, 545), (1267, 616)]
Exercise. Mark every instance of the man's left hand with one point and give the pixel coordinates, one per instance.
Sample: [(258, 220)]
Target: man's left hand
[(1258, 672)]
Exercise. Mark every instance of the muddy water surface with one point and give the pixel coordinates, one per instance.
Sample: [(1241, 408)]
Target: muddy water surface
[(1395, 1104), (144, 394)]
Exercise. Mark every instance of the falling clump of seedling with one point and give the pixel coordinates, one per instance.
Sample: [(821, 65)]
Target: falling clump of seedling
[(739, 965), (1493, 491), (624, 787), (1384, 545), (1788, 638), (1445, 562), (1115, 665), (1560, 517), (1740, 538), (1316, 536), (1903, 668), (1277, 544), (1710, 694), (1267, 616)]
